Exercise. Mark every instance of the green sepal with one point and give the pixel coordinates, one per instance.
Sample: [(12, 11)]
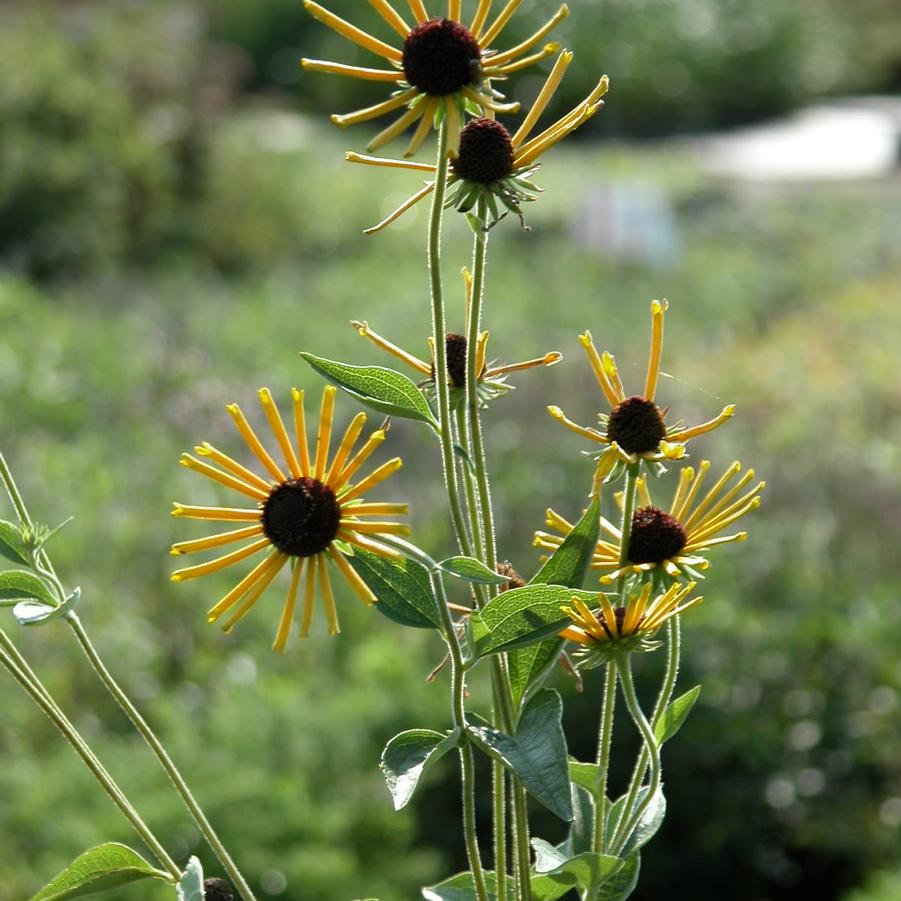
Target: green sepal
[(403, 588), (536, 754), (675, 715), (99, 869), (376, 387), (407, 757), (472, 570)]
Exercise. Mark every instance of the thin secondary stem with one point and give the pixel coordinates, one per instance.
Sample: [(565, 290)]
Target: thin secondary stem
[(467, 767), (628, 823), (605, 735), (472, 501), (165, 761), (17, 667), (45, 567), (480, 251), (628, 509), (489, 539), (439, 332)]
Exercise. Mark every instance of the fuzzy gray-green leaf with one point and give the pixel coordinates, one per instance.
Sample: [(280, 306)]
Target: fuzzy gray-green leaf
[(377, 387), (403, 589), (408, 755), (11, 544)]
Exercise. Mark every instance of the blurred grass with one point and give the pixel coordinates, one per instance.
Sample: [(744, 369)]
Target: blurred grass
[(784, 301)]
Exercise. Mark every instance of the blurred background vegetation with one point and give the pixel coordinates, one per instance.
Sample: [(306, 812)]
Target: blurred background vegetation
[(177, 221)]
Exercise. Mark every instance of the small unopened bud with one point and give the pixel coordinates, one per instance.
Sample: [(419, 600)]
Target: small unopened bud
[(216, 889)]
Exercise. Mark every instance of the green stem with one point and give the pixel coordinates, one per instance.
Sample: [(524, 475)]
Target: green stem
[(18, 668), (480, 252), (472, 501), (439, 332), (489, 539), (45, 567), (628, 823), (663, 698), (165, 761), (458, 711), (605, 735), (628, 509)]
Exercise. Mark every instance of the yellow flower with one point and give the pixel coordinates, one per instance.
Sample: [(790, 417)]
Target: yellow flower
[(442, 68), (303, 513), (492, 164), (673, 539), (635, 429), (492, 377), (626, 628)]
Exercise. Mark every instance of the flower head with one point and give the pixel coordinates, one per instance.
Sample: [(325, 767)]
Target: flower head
[(635, 429), (673, 539), (492, 377), (612, 629), (305, 513), (492, 165), (442, 68)]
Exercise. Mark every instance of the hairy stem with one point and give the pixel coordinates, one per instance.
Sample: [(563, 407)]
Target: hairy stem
[(605, 736), (629, 822)]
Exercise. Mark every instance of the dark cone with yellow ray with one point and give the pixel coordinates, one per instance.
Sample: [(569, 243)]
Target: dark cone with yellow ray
[(307, 510)]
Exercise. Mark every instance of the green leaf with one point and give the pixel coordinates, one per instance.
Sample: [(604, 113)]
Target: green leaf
[(648, 824), (582, 826), (586, 775), (36, 613), (585, 871), (18, 583), (566, 566), (462, 888), (569, 563), (190, 887), (536, 754), (403, 589), (11, 544), (623, 882), (522, 616), (675, 715), (381, 389), (100, 869), (472, 570), (408, 755)]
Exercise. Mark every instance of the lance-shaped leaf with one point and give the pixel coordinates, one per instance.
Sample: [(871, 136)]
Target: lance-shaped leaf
[(462, 888), (585, 871), (623, 882), (536, 754), (568, 566), (675, 715), (522, 616), (403, 589), (377, 387), (648, 823), (408, 755), (472, 570), (100, 869), (11, 544), (19, 583)]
